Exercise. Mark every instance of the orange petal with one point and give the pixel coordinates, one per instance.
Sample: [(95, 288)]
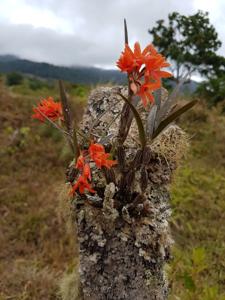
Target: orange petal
[(137, 49), (164, 74)]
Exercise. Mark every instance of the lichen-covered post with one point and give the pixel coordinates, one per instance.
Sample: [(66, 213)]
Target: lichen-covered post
[(123, 232)]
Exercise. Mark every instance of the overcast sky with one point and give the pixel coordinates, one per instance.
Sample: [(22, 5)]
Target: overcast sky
[(88, 32)]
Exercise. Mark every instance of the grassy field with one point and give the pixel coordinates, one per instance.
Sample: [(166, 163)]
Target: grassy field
[(36, 248)]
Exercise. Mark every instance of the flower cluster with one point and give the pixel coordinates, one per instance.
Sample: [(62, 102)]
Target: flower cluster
[(96, 153), (48, 108), (144, 70)]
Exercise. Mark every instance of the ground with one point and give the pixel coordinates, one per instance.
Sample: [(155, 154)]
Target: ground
[(36, 246)]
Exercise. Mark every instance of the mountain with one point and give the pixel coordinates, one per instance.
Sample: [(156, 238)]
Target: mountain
[(84, 75), (8, 58), (79, 75), (187, 88)]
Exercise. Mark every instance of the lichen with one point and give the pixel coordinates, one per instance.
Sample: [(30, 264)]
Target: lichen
[(172, 143), (124, 235)]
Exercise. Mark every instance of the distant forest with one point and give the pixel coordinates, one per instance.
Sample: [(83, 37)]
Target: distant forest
[(80, 75)]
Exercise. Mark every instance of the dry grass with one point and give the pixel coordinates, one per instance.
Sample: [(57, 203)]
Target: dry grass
[(37, 247)]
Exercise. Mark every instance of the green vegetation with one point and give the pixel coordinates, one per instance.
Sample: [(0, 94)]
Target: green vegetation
[(79, 75), (198, 269), (191, 42), (213, 89), (35, 244), (14, 78)]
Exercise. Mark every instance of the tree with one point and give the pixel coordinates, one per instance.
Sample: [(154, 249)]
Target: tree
[(14, 78), (189, 42), (213, 89)]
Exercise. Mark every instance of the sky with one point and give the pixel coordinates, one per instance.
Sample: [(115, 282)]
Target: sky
[(89, 32)]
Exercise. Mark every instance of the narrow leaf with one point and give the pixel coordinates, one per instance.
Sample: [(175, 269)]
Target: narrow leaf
[(158, 98), (127, 42), (189, 282), (166, 107), (173, 117), (137, 117), (106, 139), (75, 143), (126, 118), (125, 32), (65, 107), (150, 122), (68, 120)]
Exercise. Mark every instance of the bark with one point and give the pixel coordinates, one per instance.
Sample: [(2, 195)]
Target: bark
[(123, 257), (123, 231)]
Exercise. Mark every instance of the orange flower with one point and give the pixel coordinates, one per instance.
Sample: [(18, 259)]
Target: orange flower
[(87, 171), (101, 159), (49, 108), (143, 66), (145, 91), (95, 148), (144, 70), (153, 64), (127, 61), (80, 163), (141, 56), (131, 60), (84, 167), (83, 185)]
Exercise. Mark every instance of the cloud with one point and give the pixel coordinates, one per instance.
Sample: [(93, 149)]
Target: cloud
[(43, 44), (82, 32)]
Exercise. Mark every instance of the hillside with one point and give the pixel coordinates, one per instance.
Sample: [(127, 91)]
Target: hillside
[(36, 244), (84, 75), (78, 75)]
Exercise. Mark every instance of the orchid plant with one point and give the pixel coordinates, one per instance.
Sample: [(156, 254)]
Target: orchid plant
[(145, 71)]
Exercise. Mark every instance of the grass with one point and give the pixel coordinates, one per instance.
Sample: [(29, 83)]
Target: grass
[(35, 244), (198, 199)]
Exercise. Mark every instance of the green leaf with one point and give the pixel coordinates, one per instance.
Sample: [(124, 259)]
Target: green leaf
[(173, 117), (212, 293), (170, 101), (198, 255), (137, 117), (199, 259), (189, 282)]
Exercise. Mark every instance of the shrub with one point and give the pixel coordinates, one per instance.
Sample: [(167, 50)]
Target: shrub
[(213, 90), (14, 79)]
